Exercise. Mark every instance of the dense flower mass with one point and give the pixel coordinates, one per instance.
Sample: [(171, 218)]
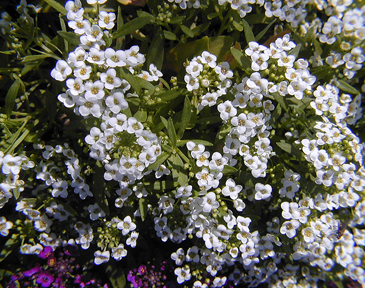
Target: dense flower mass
[(230, 133)]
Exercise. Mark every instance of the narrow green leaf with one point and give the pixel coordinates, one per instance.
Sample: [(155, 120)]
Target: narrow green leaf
[(263, 32), (185, 118), (11, 96), (116, 276), (280, 100), (196, 141), (187, 31), (133, 25), (200, 28), (248, 32), (70, 37), (169, 35), (212, 15), (160, 159), (229, 169), (170, 95), (241, 59), (9, 247), (57, 6), (17, 143), (317, 47), (142, 204), (177, 20), (99, 189), (177, 166), (295, 50), (346, 87), (172, 132), (131, 80), (156, 51)]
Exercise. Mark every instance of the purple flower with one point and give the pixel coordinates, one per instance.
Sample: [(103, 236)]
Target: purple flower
[(32, 271), (47, 251), (45, 279), (142, 269)]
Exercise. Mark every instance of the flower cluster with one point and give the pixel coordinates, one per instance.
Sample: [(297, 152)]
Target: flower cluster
[(57, 271)]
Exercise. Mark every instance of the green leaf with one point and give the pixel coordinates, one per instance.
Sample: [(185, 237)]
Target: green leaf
[(177, 20), (295, 50), (242, 60), (57, 6), (169, 35), (99, 189), (196, 141), (9, 247), (156, 51), (263, 32), (131, 79), (218, 46), (10, 97), (321, 71), (177, 170), (212, 15), (171, 132), (70, 37), (250, 37), (116, 276), (280, 100), (187, 31), (170, 95), (200, 28), (185, 118), (160, 159), (37, 58), (229, 170), (346, 87), (141, 115), (142, 203), (289, 148), (133, 25)]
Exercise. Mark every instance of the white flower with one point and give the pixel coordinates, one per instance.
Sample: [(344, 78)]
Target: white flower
[(192, 83), (83, 72), (61, 71), (227, 110), (110, 79), (132, 240), (119, 252), (289, 228), (208, 58), (94, 33), (95, 211), (184, 192), (76, 86), (5, 226), (106, 20), (183, 274), (74, 10), (96, 56), (262, 191), (178, 256), (223, 71), (231, 189), (209, 202), (79, 25), (60, 188), (101, 257), (194, 68), (126, 225)]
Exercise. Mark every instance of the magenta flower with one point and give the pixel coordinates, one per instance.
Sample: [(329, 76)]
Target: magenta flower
[(45, 279), (32, 271), (46, 252), (142, 269)]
